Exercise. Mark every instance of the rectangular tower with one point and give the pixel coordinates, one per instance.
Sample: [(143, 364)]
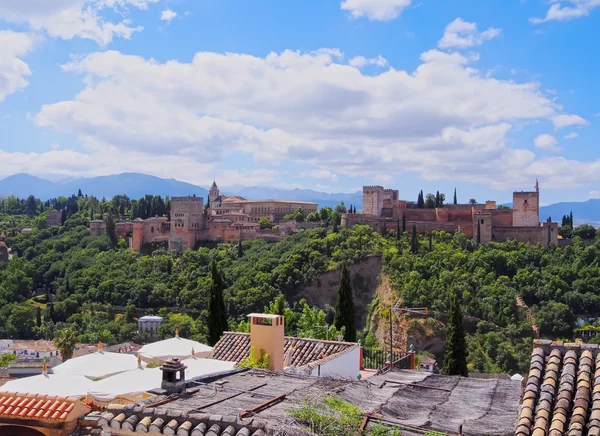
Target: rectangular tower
[(373, 200), (526, 209), (186, 221)]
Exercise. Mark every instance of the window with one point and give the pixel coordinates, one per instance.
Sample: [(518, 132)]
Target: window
[(481, 221)]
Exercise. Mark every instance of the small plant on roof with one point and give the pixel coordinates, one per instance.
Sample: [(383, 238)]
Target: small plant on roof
[(252, 362)]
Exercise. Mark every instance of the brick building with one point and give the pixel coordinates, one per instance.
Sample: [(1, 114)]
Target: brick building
[(484, 222)]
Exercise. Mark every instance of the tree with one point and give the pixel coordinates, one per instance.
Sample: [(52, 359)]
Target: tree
[(585, 231), (264, 223), (38, 318), (79, 193), (571, 219), (66, 341), (555, 319), (217, 314), (403, 223), (111, 230), (341, 208), (565, 231), (455, 199), (398, 231), (430, 201), (455, 356), (240, 249), (414, 242), (420, 200), (430, 242), (437, 199), (31, 206), (472, 201), (345, 315)]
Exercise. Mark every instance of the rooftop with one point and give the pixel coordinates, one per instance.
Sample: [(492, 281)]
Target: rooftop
[(42, 346), (39, 407), (562, 393), (235, 347), (411, 399)]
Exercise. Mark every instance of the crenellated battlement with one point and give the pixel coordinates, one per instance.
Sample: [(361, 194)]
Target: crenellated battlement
[(372, 188)]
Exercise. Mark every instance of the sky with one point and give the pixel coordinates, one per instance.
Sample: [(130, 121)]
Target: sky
[(481, 96)]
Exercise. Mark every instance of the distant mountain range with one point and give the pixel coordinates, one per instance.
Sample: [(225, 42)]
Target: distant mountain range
[(137, 185)]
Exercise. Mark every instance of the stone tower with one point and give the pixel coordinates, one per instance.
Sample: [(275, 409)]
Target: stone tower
[(373, 200), (186, 222), (213, 194), (526, 209)]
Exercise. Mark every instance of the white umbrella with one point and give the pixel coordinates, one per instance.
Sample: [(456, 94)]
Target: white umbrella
[(180, 348), (51, 384), (98, 365)]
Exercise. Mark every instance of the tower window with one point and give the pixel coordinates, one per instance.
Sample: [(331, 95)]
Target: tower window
[(481, 221)]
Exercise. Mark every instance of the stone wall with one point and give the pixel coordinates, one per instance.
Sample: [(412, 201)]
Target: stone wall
[(372, 200), (526, 209), (323, 291), (531, 235)]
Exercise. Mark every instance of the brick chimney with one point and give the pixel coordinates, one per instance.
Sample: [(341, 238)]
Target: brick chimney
[(266, 333)]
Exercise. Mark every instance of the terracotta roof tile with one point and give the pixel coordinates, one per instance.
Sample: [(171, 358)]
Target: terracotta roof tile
[(562, 392), (36, 406), (235, 347)]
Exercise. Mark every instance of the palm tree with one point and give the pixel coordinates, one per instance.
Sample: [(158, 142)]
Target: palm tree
[(65, 341)]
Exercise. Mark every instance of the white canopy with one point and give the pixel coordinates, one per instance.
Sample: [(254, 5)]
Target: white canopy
[(517, 377), (98, 365), (131, 383), (51, 384), (174, 347)]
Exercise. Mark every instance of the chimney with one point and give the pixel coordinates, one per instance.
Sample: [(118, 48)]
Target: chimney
[(266, 333), (173, 377)]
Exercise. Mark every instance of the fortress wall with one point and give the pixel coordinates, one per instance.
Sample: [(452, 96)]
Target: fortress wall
[(460, 214), (442, 214), (502, 217), (420, 214), (531, 235)]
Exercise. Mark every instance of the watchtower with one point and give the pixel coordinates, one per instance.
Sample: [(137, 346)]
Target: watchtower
[(526, 209), (373, 200)]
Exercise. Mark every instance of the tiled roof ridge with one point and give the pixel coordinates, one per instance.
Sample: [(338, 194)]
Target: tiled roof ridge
[(164, 421), (36, 406), (294, 338), (330, 357)]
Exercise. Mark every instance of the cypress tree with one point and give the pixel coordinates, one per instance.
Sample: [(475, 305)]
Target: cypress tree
[(398, 231), (430, 242), (437, 199), (414, 242), (571, 219), (455, 356), (217, 314), (345, 315), (455, 199), (240, 249), (111, 230), (403, 223), (38, 320)]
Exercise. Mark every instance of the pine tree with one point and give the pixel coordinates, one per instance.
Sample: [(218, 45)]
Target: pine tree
[(455, 199), (403, 223), (455, 356), (217, 314), (345, 315), (414, 242)]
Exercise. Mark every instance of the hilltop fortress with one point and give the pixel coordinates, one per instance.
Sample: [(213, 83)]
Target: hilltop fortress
[(483, 222), (224, 219)]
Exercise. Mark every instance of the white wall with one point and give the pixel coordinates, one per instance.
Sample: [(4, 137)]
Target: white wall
[(347, 365)]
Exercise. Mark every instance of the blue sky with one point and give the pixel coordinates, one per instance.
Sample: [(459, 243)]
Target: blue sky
[(484, 96)]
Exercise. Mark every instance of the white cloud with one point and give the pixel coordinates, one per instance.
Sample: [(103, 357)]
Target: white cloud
[(379, 10), (68, 19), (594, 195), (461, 34), (546, 142), (168, 15), (566, 120), (561, 10), (13, 70), (322, 174), (444, 120), (361, 61), (572, 135)]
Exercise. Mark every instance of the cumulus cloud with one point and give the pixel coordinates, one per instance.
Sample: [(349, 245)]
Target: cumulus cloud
[(168, 15), (67, 19), (572, 135), (379, 10), (13, 70), (566, 120), (546, 142), (567, 10), (444, 120), (361, 61), (461, 34), (322, 174)]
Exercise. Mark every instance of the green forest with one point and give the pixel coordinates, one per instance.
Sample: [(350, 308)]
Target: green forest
[(62, 277)]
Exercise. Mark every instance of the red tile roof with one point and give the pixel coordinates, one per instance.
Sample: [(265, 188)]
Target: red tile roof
[(235, 347), (41, 407)]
